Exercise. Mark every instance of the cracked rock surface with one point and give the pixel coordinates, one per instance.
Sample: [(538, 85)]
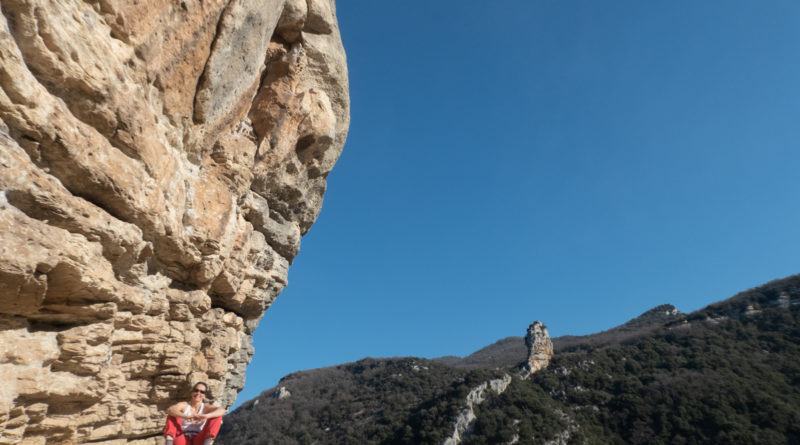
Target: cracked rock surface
[(159, 162)]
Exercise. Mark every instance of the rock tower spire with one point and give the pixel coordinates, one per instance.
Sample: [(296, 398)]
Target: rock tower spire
[(540, 349)]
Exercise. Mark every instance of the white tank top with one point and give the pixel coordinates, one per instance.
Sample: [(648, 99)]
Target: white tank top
[(189, 427)]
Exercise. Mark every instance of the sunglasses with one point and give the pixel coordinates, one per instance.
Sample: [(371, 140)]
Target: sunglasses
[(199, 390)]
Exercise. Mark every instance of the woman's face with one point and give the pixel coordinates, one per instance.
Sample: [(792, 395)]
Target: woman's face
[(199, 392)]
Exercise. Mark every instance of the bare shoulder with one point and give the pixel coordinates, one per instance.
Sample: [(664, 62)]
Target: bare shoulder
[(180, 406)]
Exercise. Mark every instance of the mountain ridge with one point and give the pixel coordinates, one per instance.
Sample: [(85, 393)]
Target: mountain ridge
[(511, 350), (662, 377)]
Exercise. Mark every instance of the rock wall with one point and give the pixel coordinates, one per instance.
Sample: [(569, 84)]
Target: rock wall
[(159, 162)]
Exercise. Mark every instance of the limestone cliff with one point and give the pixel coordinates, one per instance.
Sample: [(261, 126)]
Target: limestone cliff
[(159, 162)]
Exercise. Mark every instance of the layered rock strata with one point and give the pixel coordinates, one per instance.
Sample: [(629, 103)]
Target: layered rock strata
[(540, 349), (159, 162)]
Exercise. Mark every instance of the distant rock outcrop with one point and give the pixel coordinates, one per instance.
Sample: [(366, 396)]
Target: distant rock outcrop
[(281, 393), (465, 420), (159, 162), (540, 349)]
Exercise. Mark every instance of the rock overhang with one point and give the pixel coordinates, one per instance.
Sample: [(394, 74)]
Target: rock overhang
[(160, 162)]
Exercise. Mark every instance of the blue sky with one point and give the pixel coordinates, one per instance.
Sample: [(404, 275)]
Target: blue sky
[(575, 162)]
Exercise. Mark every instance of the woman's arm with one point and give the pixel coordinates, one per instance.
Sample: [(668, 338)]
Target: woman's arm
[(210, 411), (178, 410)]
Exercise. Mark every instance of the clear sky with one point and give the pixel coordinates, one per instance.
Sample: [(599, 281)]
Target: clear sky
[(575, 162)]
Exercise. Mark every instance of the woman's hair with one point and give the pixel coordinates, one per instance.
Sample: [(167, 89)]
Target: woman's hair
[(208, 395)]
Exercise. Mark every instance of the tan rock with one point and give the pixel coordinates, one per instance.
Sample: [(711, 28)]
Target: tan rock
[(321, 17), (159, 163), (237, 59), (540, 349), (292, 20)]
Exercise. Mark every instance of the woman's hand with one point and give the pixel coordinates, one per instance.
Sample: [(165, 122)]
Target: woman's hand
[(199, 418)]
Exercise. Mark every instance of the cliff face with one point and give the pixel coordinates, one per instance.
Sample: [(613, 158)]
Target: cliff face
[(159, 162)]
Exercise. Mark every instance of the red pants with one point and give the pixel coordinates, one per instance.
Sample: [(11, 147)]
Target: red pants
[(175, 429)]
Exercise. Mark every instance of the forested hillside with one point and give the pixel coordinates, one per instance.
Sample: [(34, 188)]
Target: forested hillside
[(729, 373)]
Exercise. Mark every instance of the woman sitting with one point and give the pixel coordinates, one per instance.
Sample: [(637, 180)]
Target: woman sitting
[(193, 422)]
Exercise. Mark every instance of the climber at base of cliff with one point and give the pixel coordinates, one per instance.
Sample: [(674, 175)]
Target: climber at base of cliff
[(193, 422)]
